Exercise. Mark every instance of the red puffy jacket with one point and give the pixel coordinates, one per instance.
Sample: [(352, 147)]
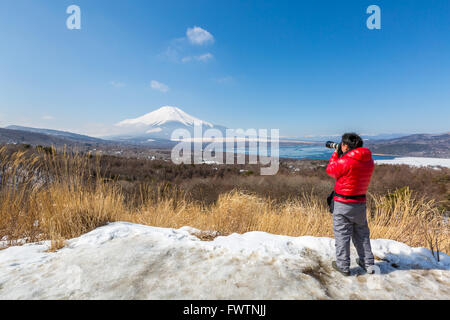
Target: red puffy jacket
[(352, 172)]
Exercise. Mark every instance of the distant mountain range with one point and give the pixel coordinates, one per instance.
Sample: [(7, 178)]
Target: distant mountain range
[(58, 134), (420, 145), (45, 137), (366, 137), (154, 130)]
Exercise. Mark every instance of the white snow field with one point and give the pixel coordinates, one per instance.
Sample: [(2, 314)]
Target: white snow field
[(417, 162), (129, 261)]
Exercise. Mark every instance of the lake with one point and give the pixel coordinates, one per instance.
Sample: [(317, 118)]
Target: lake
[(306, 152)]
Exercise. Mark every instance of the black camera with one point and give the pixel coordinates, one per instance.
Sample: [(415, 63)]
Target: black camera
[(331, 145), (335, 146)]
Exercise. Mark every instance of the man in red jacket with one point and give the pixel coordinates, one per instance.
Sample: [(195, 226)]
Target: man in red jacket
[(352, 171)]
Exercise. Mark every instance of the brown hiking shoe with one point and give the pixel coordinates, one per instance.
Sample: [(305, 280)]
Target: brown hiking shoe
[(335, 267)]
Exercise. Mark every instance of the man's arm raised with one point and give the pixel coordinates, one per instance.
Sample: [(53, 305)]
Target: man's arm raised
[(336, 167)]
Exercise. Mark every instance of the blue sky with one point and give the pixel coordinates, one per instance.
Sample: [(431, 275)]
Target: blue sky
[(305, 67)]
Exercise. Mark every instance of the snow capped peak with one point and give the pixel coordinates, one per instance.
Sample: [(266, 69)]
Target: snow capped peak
[(163, 115)]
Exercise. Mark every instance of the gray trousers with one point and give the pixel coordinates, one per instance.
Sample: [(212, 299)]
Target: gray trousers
[(350, 222)]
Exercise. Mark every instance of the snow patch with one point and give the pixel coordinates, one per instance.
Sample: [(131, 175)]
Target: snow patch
[(129, 261), (154, 130), (417, 162)]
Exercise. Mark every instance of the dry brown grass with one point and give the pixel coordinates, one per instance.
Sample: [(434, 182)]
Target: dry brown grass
[(54, 197), (415, 221)]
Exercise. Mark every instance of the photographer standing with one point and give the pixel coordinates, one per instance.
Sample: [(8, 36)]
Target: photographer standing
[(352, 166)]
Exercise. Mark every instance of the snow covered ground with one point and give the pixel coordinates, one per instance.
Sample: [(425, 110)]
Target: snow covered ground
[(417, 162), (129, 261)]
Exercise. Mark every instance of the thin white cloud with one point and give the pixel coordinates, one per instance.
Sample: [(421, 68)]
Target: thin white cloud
[(223, 80), (205, 57), (117, 84), (202, 58), (172, 53), (155, 85), (48, 118), (186, 59), (180, 49), (199, 36)]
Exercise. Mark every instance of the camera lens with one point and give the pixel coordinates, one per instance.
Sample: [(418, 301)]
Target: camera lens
[(330, 144)]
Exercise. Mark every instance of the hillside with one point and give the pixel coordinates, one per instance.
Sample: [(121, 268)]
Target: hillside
[(9, 136), (416, 145), (57, 133), (129, 261), (46, 137)]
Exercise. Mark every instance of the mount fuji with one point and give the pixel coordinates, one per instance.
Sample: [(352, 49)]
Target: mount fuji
[(159, 125)]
